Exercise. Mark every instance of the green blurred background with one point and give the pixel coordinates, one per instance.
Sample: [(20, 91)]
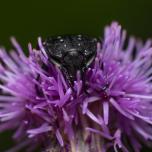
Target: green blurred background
[(28, 19)]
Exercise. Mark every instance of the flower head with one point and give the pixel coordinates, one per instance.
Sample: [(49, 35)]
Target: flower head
[(37, 102)]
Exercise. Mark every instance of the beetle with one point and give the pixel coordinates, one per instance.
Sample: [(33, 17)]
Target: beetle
[(71, 53)]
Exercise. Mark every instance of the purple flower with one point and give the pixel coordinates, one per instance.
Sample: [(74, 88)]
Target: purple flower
[(116, 113)]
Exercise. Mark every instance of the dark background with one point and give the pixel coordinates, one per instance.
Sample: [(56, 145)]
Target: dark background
[(28, 19)]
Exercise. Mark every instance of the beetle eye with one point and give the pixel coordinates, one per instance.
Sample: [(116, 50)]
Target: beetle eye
[(56, 61), (90, 60)]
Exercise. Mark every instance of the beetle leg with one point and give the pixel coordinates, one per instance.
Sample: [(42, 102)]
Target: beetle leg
[(84, 86)]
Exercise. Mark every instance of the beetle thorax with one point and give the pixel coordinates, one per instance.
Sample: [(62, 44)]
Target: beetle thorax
[(73, 58)]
